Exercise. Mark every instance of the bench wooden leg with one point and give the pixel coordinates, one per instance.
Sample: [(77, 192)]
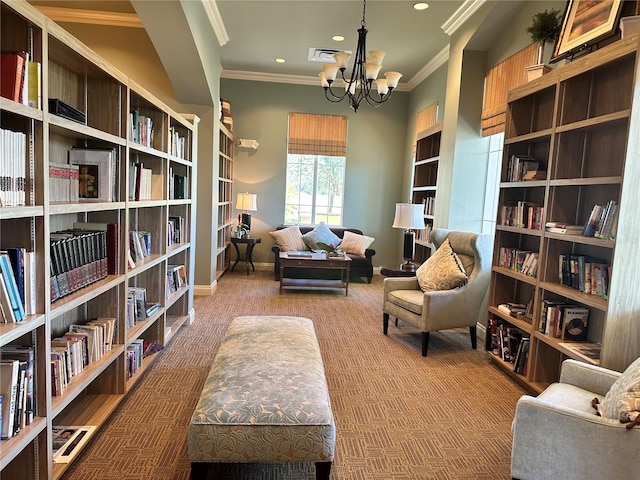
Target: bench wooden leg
[(323, 469), (199, 470)]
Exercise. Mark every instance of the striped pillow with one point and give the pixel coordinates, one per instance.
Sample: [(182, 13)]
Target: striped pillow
[(354, 243), (289, 239)]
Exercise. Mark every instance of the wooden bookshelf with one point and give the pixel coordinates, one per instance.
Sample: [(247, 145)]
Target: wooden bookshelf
[(424, 184), (579, 123), (225, 200), (74, 74)]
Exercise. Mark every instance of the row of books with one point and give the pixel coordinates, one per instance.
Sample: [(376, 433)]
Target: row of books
[(139, 244), (13, 169), (17, 284), (523, 168), (81, 346), (560, 319), (80, 257), (90, 174), (63, 182), (429, 205), (143, 183), (523, 261), (176, 278), (178, 186), (603, 221), (584, 273), (177, 143), (510, 343), (141, 129), (17, 389), (137, 351), (21, 78), (522, 214), (176, 231)]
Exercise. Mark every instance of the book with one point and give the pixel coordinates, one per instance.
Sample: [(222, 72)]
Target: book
[(12, 71), (68, 441), (586, 351), (575, 323), (26, 355), (301, 254), (97, 173), (12, 288), (9, 370), (559, 227), (34, 88)]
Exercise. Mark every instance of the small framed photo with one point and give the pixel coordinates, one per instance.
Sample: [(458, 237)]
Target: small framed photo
[(585, 23)]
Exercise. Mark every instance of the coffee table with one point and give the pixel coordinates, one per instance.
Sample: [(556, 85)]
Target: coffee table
[(314, 261)]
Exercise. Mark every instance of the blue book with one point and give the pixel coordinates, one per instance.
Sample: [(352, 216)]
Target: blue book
[(12, 288), (16, 255)]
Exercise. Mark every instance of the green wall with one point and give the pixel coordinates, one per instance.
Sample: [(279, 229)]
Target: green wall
[(376, 156)]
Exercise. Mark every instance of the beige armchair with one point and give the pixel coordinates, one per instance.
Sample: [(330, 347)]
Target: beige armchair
[(444, 309), (558, 434)]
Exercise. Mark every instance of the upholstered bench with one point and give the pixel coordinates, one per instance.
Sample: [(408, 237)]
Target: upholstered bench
[(265, 400)]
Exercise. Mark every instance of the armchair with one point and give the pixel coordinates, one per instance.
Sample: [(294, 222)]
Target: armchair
[(558, 434), (444, 309)]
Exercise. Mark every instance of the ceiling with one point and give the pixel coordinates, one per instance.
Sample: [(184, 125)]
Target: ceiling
[(260, 31)]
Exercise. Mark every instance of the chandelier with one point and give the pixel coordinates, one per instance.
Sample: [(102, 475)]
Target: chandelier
[(359, 86)]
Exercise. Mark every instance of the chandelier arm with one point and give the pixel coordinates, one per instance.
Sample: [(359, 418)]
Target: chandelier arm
[(333, 98)]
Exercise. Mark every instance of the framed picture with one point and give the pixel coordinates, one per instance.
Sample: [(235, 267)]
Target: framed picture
[(585, 23)]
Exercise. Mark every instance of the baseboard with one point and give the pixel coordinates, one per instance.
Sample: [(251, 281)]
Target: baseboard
[(481, 334), (192, 316), (205, 290)]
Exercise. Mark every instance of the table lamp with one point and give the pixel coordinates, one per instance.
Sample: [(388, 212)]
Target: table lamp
[(409, 216), (247, 202)]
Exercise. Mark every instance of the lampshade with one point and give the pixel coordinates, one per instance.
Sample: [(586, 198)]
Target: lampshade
[(247, 202), (409, 216)]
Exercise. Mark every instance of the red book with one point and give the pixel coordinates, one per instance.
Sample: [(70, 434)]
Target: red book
[(113, 254), (12, 67)]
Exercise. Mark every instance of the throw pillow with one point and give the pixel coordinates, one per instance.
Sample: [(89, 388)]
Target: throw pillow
[(622, 401), (321, 233), (441, 271), (289, 239), (355, 243)]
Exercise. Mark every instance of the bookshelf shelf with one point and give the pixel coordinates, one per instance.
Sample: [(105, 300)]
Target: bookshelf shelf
[(424, 184), (75, 75), (578, 123)]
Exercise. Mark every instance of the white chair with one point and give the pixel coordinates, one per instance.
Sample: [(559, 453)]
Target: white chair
[(559, 435), (444, 309)]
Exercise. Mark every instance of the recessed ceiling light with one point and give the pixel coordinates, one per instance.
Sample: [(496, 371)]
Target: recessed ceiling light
[(280, 60), (338, 38), (420, 6)]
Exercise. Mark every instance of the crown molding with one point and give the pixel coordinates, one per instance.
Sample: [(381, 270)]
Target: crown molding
[(466, 10), (436, 62), (213, 14), (278, 78), (91, 17)]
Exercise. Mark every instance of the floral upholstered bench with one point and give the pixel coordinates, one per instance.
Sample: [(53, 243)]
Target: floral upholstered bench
[(265, 400)]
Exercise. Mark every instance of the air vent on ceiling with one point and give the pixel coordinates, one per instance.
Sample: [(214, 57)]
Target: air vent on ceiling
[(324, 55)]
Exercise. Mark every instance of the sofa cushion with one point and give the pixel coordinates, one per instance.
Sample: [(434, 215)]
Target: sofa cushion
[(321, 233), (622, 401), (289, 239), (354, 243), (442, 270)]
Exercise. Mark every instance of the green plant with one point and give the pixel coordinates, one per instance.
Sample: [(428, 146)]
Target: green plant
[(545, 26)]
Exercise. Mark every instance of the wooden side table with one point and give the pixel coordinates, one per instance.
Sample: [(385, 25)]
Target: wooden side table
[(250, 242), (399, 270)]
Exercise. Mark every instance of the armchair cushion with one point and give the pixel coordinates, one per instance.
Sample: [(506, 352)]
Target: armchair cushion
[(442, 271), (320, 233), (622, 401), (289, 239), (355, 243)]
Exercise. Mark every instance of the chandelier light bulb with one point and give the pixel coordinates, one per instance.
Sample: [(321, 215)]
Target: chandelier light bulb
[(341, 59), (383, 88), (392, 78)]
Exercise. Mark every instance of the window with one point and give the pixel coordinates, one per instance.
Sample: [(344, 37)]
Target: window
[(316, 163)]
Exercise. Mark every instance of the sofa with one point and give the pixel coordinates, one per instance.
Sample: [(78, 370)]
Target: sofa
[(361, 265)]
